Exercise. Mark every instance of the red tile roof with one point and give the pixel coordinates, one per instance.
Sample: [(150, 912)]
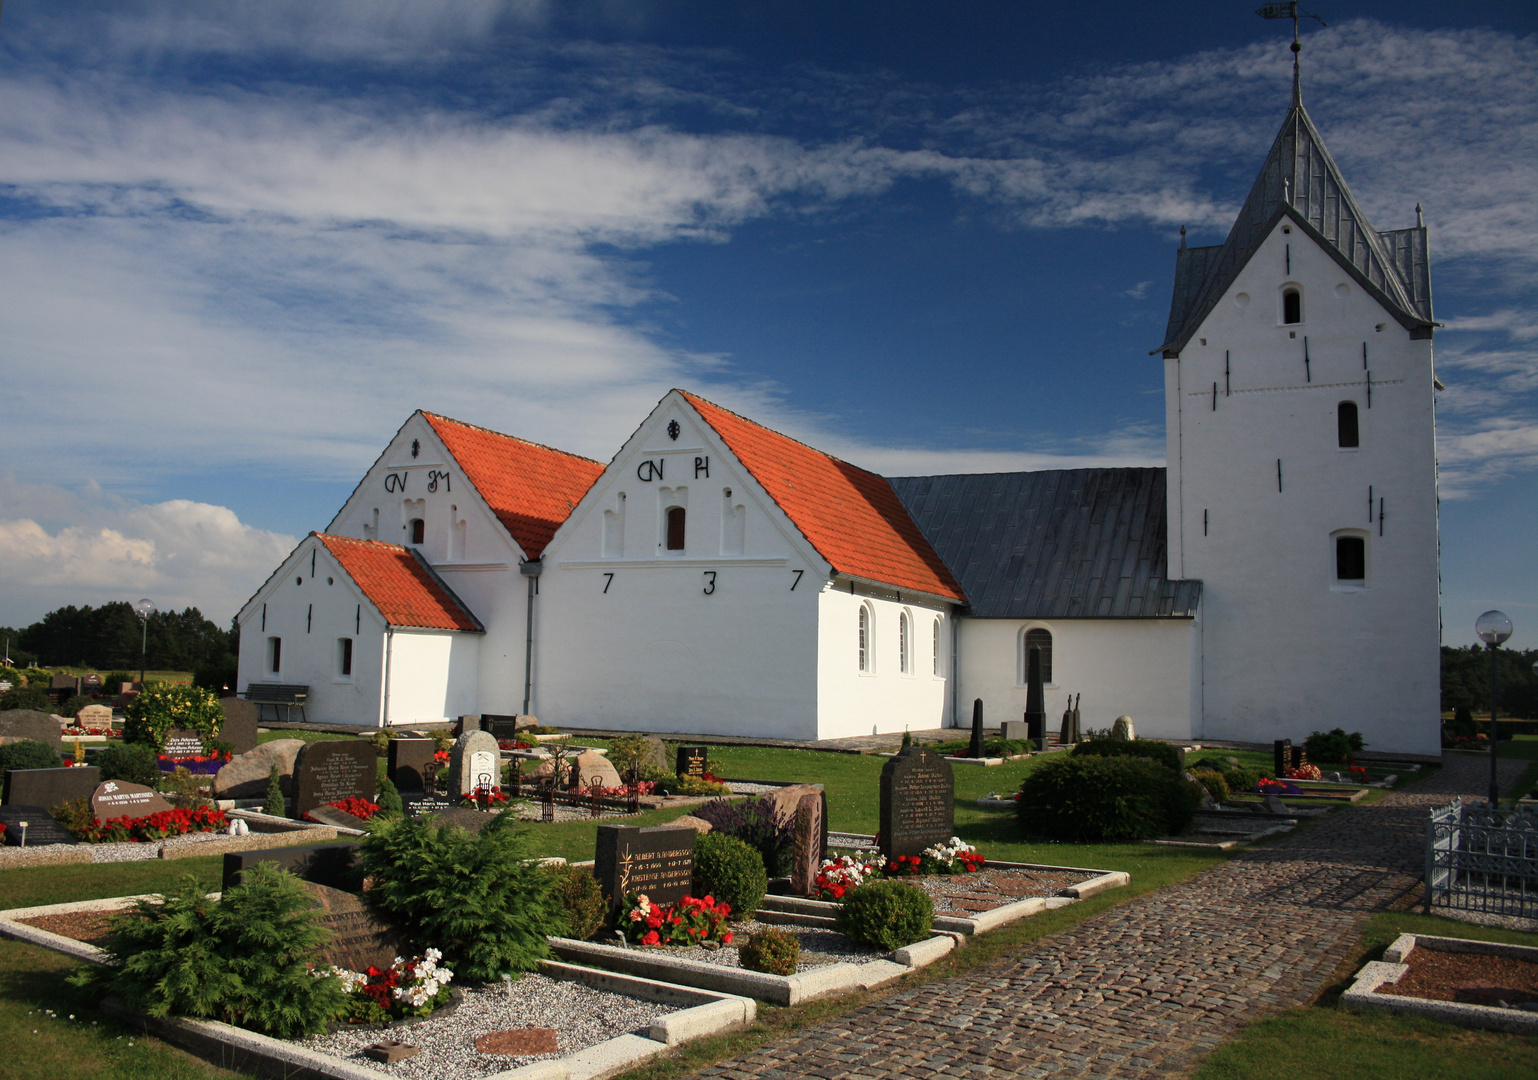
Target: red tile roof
[(852, 517), (531, 488), (399, 584)]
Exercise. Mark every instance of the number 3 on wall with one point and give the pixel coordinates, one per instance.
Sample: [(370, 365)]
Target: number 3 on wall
[(710, 582)]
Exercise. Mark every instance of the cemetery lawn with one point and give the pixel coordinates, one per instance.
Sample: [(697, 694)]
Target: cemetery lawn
[(43, 1047), (1321, 1042)]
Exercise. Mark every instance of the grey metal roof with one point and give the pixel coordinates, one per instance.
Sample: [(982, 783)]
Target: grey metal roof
[(1300, 180), (1063, 544)]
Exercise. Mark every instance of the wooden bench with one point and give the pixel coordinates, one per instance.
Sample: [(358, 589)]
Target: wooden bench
[(278, 695)]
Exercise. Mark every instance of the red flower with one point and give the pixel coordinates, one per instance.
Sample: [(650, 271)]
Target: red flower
[(726, 938), (651, 937)]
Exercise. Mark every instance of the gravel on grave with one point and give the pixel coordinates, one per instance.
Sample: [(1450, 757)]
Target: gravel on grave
[(1470, 978), (819, 948), (90, 927), (581, 1016)]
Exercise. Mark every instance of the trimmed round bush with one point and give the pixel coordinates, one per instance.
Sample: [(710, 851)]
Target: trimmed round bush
[(28, 754), (776, 952), (577, 896), (1214, 782), (730, 870), (1153, 749), (886, 915), (1241, 778), (25, 697), (133, 762), (163, 706), (1090, 799)]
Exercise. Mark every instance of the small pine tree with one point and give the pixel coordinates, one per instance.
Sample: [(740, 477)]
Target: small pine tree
[(275, 804), (907, 738), (388, 796)]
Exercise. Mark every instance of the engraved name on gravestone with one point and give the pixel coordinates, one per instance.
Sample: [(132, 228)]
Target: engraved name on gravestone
[(329, 771), (409, 761), (657, 861), (693, 761), (181, 744), (119, 798), (917, 802), (475, 762), (359, 937)]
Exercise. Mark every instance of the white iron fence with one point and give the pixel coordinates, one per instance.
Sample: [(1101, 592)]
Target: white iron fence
[(1479, 860)]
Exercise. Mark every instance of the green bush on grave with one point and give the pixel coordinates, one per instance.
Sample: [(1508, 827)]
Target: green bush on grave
[(771, 950), (28, 754), (886, 915), (1333, 746), (388, 798), (25, 697), (1463, 723), (1241, 777), (71, 708), (163, 706), (730, 870), (480, 897), (275, 804), (134, 762), (1092, 799), (578, 897), (1215, 783), (1152, 749), (243, 959)]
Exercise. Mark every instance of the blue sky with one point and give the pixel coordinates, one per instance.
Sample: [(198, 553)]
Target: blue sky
[(240, 242)]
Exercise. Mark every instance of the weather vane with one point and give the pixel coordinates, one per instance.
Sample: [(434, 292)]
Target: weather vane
[(1289, 10)]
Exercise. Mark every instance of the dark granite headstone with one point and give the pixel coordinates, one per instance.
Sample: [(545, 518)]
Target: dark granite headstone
[(90, 683), (332, 770), (239, 728), (1299, 757), (30, 724), (41, 828), (360, 938), (918, 795), (119, 798), (1281, 757), (64, 682), (182, 743), (467, 723), (693, 761), (408, 762), (975, 748), (501, 726), (324, 864), (50, 787), (657, 861)]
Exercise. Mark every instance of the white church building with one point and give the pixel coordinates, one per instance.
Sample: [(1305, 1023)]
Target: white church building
[(1278, 576)]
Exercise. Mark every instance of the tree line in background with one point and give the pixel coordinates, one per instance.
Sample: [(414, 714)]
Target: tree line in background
[(1466, 681), (107, 638)]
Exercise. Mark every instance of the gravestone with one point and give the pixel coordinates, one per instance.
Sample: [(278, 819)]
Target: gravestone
[(332, 770), (181, 744), (119, 798), (519, 1042), (785, 800), (1076, 730), (18, 724), (591, 765), (335, 865), (239, 727), (50, 787), (693, 761), (339, 819), (500, 725), (408, 763), (1035, 700), (655, 755), (1299, 756), (475, 762), (90, 684), (65, 682), (917, 802), (1281, 757), (807, 849), (245, 776), (1123, 729), (94, 716), (359, 937), (467, 723), (656, 861), (41, 827), (1014, 730), (975, 748)]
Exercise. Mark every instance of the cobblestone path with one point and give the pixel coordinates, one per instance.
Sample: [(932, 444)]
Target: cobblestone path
[(1145, 988)]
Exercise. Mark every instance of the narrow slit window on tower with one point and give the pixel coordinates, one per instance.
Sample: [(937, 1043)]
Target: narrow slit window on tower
[(1350, 558), (902, 644), (344, 657), (275, 654), (937, 647), (864, 638), (1039, 639), (1346, 425), (418, 531), (1292, 306), (675, 528)]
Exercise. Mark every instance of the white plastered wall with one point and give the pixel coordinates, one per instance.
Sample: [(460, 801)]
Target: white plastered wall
[(1148, 669), (1289, 650), (432, 676)]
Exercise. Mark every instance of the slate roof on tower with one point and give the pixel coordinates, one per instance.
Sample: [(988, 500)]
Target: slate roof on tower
[(851, 517), (398, 581), (1056, 544), (1300, 180), (531, 488)]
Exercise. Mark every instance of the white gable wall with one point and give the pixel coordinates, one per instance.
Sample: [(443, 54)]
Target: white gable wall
[(1290, 650), (432, 676), (882, 697)]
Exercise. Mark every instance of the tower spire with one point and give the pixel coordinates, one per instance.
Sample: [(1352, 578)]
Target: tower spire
[(1289, 10)]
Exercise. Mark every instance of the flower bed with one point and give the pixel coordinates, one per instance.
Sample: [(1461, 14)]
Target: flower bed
[(406, 988), (688, 922), (175, 822), (1309, 771), (358, 808), (837, 877), (483, 799), (198, 764)]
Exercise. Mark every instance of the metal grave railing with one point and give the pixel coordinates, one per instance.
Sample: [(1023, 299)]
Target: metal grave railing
[(1479, 860)]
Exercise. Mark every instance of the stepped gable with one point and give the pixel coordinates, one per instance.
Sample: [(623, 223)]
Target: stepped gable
[(400, 584), (851, 517), (531, 488), (1056, 544)]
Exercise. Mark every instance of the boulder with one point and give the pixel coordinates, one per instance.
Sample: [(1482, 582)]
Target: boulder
[(245, 777), (1122, 728), (699, 825), (591, 763), (1274, 805), (786, 799), (656, 754), (30, 724)]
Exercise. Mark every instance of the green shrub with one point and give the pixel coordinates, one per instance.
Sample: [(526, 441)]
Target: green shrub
[(1090, 799), (163, 706), (777, 952), (886, 915), (693, 785), (72, 707), (28, 754), (1152, 749), (244, 959), (275, 804), (1241, 777), (25, 697), (1333, 745), (133, 762), (388, 796), (576, 895), (75, 815), (113, 680), (732, 871), (1463, 722), (479, 898), (1214, 782)]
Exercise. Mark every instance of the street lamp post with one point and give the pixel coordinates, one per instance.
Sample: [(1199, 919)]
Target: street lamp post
[(144, 609), (1493, 627)]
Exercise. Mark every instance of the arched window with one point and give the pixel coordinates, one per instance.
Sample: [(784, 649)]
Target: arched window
[(675, 528), (864, 638), (1346, 426), (1292, 306), (1037, 639), (937, 646), (418, 531), (903, 652)]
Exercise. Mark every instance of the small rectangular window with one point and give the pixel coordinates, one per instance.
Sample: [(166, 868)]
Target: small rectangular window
[(1346, 425), (1350, 558), (274, 654), (344, 657), (676, 528)]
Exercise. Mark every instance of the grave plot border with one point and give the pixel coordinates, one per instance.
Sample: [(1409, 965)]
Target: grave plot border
[(286, 832), (1362, 995), (706, 1012)]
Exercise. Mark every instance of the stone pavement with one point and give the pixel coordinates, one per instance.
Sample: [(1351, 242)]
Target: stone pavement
[(1148, 987)]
